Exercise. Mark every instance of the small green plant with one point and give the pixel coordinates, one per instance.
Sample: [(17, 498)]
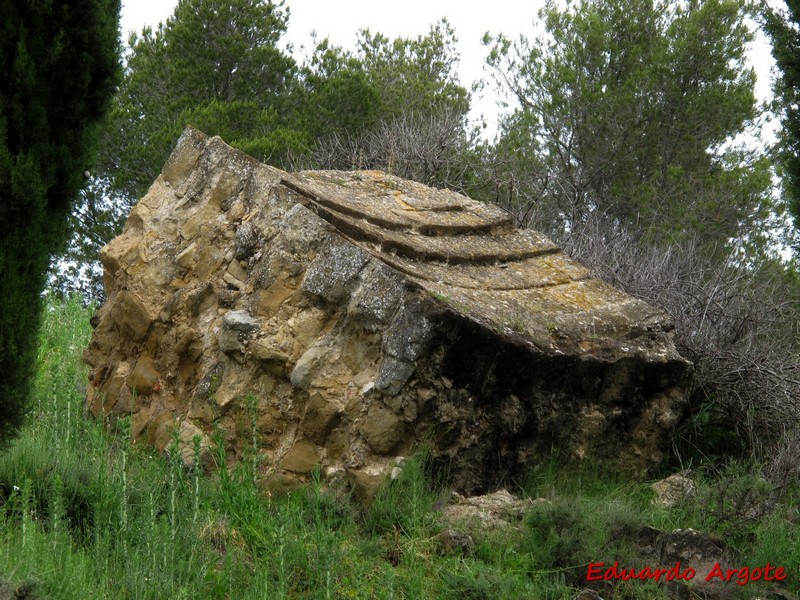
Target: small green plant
[(445, 299), (512, 319), (518, 323), (440, 297)]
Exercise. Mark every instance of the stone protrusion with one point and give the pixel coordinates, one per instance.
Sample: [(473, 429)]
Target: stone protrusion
[(186, 258), (333, 273), (383, 430), (143, 379), (302, 457), (194, 446), (131, 316), (306, 367), (377, 297), (394, 374), (321, 416), (183, 159)]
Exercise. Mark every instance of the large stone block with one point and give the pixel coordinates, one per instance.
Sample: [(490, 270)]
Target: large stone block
[(342, 319)]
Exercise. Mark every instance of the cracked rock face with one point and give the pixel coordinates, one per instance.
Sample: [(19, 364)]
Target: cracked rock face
[(342, 319)]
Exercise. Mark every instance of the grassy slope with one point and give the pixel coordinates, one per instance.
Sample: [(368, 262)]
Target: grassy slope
[(86, 514)]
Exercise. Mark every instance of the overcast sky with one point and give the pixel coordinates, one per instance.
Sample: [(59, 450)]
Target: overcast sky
[(341, 19)]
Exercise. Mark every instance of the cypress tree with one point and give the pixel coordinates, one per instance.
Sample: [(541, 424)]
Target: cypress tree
[(59, 64)]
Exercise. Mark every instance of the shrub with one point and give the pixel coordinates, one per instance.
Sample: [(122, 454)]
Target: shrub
[(735, 322)]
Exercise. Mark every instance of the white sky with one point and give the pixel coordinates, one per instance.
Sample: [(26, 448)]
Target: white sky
[(341, 19)]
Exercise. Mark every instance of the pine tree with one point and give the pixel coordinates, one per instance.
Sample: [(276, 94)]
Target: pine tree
[(627, 109), (784, 29), (391, 104), (59, 63), (214, 65)]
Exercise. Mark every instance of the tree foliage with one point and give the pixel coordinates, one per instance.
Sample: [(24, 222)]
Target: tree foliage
[(59, 63), (214, 65), (410, 109), (627, 108), (784, 30), (384, 79), (414, 76), (338, 96)]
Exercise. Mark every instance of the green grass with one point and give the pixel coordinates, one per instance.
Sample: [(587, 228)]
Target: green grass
[(86, 514)]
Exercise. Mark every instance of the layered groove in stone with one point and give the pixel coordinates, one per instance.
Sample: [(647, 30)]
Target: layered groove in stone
[(374, 199), (469, 255)]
